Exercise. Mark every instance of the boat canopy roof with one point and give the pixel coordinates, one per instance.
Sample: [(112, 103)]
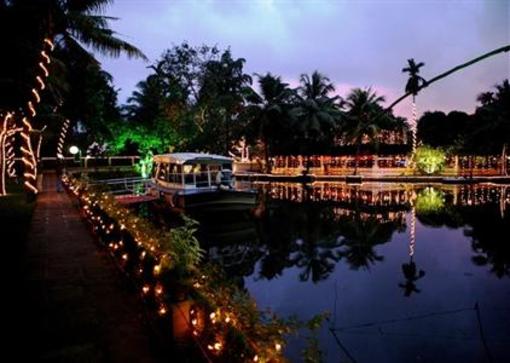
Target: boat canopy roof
[(192, 158)]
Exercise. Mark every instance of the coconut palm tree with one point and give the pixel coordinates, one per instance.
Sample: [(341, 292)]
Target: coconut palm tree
[(268, 111), (75, 26), (503, 49), (485, 98), (317, 114), (413, 85), (362, 107)]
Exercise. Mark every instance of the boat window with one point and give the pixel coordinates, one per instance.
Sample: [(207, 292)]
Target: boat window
[(163, 172), (202, 176), (175, 174)]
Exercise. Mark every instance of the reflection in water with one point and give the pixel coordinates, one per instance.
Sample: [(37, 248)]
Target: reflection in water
[(315, 227), (393, 250), (410, 271)]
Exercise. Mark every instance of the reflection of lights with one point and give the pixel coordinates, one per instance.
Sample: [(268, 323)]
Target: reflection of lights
[(412, 241)]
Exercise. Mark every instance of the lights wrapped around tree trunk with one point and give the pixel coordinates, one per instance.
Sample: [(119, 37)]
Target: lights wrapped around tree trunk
[(413, 125), (29, 158), (7, 130), (62, 138)]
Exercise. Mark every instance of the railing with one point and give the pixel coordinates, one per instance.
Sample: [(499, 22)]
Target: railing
[(383, 165), (135, 186), (89, 162)]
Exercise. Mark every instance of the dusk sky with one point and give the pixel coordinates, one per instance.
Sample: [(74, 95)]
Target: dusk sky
[(355, 43)]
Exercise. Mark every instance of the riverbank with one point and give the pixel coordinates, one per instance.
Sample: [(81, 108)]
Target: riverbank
[(420, 179), (73, 304)]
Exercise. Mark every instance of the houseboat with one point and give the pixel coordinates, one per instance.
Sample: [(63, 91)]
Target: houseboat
[(197, 180)]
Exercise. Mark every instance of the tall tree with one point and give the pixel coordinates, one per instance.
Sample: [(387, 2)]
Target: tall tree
[(413, 85), (317, 114), (493, 118), (268, 112), (223, 86), (361, 119)]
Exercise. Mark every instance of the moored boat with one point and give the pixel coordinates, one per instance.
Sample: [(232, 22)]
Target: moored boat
[(198, 180)]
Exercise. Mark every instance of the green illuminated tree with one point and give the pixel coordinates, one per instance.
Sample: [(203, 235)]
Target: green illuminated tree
[(430, 160)]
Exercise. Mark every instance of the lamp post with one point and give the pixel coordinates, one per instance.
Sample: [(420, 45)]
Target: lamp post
[(74, 150)]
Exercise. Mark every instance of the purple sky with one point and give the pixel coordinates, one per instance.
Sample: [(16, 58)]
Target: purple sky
[(355, 43)]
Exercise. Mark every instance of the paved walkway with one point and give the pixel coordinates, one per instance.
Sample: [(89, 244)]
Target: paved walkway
[(77, 306)]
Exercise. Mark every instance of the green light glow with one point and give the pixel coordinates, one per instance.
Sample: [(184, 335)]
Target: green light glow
[(430, 161), (429, 200)]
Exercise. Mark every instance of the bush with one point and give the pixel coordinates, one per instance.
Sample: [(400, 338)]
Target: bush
[(429, 160)]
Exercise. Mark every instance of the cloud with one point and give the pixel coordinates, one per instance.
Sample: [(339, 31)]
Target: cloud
[(363, 43)]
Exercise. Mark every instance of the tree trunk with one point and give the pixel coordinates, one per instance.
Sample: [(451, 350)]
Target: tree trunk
[(30, 173), (3, 165), (503, 160), (227, 135), (471, 166), (266, 156), (356, 158), (450, 71), (307, 166)]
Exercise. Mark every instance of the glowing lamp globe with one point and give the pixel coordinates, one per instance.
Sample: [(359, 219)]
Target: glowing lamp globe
[(74, 150)]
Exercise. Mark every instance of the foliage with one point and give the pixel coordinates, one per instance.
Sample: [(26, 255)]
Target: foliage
[(429, 201), (145, 165), (363, 119), (233, 322), (429, 160), (436, 129), (316, 113), (312, 352), (415, 81), (185, 248), (268, 114)]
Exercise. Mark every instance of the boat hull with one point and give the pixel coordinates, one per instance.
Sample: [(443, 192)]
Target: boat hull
[(218, 200)]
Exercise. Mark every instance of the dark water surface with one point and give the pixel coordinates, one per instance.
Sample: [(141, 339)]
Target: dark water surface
[(408, 273)]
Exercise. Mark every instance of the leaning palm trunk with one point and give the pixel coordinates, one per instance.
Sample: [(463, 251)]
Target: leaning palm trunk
[(450, 71)]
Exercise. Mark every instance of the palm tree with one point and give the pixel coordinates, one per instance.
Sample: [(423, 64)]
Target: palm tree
[(74, 25), (317, 114), (268, 112), (494, 52), (359, 237), (413, 86), (485, 98), (362, 107)]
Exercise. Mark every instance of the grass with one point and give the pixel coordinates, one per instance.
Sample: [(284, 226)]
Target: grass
[(15, 217)]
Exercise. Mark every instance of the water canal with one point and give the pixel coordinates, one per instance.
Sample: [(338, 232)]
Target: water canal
[(408, 273)]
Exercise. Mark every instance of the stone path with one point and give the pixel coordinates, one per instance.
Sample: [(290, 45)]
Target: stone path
[(77, 307)]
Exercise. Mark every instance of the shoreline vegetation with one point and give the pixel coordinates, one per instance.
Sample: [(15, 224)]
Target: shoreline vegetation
[(190, 299)]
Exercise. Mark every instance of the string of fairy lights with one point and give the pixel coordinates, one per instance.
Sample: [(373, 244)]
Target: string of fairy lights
[(62, 138), (7, 130), (29, 157), (412, 232), (413, 125), (144, 253)]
